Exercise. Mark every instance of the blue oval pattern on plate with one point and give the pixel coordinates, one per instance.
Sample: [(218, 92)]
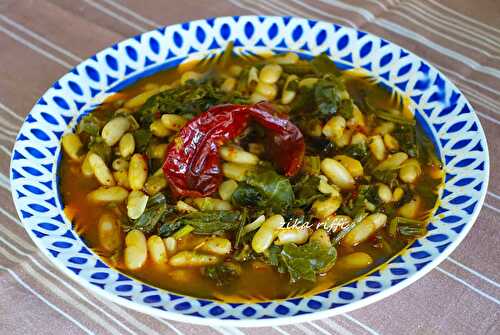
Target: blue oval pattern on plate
[(439, 106)]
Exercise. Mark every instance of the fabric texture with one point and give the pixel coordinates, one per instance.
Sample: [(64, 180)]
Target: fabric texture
[(41, 40)]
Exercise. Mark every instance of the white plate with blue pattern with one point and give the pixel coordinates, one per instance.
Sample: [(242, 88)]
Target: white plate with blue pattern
[(439, 106)]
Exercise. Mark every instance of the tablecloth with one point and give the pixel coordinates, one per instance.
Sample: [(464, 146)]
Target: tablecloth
[(41, 40)]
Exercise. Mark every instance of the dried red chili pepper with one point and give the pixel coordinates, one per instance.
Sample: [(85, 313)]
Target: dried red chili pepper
[(192, 165)]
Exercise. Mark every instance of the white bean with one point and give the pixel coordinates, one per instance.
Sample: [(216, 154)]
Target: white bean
[(156, 249), (159, 130), (235, 70), (136, 204), (352, 165), (170, 244), (397, 194), (137, 171), (288, 58), (217, 246), (236, 171), (101, 170), (325, 208), (377, 147), (358, 119), (384, 128), (257, 97), (155, 184), (228, 85), (270, 73), (120, 164), (181, 206), (127, 145), (136, 250), (264, 237), (308, 82), (410, 171), (391, 143), (236, 154), (86, 168), (384, 193), (410, 209), (359, 138), (292, 235), (363, 230), (334, 128), (253, 225), (108, 194), (345, 139), (393, 162), (355, 261), (337, 173), (173, 121), (140, 99), (113, 131), (253, 76), (158, 151), (288, 94), (210, 204), (121, 178), (192, 258), (321, 237), (72, 146), (268, 91), (109, 232), (227, 188)]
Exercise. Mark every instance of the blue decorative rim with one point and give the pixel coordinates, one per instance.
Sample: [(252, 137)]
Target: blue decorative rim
[(439, 106)]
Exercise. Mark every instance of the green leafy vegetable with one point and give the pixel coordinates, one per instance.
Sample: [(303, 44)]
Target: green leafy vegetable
[(306, 191), (142, 138), (90, 125), (407, 227), (156, 209), (276, 188), (328, 94), (308, 260), (405, 134), (99, 147), (300, 69), (322, 64), (188, 100), (211, 222), (358, 151), (312, 165), (222, 274), (388, 116), (426, 153), (246, 195)]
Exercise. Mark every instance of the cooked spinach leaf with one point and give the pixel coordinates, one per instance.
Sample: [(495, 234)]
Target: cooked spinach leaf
[(246, 195), (358, 151), (211, 222), (90, 125), (142, 138), (156, 209), (222, 274), (188, 100), (306, 191), (322, 64), (307, 260), (276, 188)]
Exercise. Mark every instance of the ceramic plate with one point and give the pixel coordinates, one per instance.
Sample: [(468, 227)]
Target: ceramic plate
[(439, 106)]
